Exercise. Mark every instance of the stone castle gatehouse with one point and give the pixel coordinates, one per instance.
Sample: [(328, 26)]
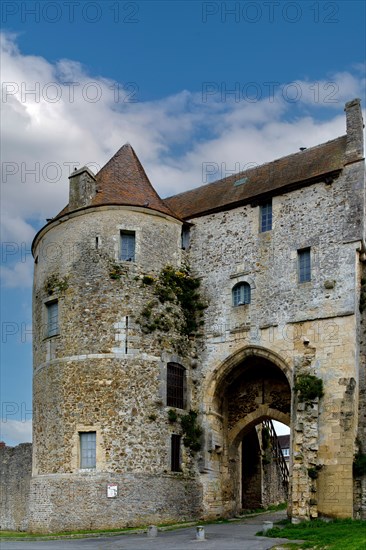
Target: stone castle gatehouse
[(166, 331)]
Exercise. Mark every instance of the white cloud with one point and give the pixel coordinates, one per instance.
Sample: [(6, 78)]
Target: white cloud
[(17, 275), (14, 432), (281, 429), (58, 126)]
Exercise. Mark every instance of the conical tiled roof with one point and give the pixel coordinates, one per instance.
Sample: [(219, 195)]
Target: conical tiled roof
[(123, 181)]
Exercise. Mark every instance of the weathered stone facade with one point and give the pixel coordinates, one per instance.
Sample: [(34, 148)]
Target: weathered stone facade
[(105, 371), (15, 476)]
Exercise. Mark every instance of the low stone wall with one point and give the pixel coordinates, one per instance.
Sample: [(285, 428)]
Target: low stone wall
[(273, 491), (15, 476), (61, 502)]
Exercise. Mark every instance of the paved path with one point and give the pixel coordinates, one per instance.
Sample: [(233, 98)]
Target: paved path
[(225, 536)]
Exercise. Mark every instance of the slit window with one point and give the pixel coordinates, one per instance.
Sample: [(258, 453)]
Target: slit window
[(128, 243), (52, 318), (176, 382), (304, 265), (241, 294), (175, 453), (88, 454), (185, 238), (266, 216)]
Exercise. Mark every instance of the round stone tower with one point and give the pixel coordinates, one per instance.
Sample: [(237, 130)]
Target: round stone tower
[(103, 441)]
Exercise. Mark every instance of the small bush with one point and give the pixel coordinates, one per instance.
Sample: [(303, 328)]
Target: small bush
[(310, 387), (172, 415), (191, 431), (313, 473)]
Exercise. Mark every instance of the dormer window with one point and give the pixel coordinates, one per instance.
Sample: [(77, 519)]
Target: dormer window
[(241, 294)]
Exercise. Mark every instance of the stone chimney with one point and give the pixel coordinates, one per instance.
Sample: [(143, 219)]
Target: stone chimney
[(82, 188), (354, 121)]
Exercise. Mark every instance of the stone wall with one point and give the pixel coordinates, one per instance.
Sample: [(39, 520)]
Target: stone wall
[(71, 502), (360, 481), (287, 318), (273, 490), (101, 372), (16, 471), (251, 472), (104, 372)]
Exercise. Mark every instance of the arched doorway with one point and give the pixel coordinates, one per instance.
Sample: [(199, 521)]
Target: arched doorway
[(248, 390)]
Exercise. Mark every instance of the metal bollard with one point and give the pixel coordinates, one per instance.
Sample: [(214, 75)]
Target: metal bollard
[(200, 533), (152, 531)]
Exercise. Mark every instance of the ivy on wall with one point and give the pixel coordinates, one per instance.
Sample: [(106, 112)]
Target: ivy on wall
[(178, 302), (191, 430)]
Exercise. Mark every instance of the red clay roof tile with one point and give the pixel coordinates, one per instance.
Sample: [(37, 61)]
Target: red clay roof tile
[(267, 179), (123, 181)]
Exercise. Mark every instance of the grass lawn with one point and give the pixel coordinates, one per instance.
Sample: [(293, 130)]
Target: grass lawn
[(340, 534)]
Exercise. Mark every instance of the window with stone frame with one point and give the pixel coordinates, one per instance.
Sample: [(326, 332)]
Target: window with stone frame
[(304, 265), (266, 216), (52, 318), (241, 294), (128, 246), (88, 449), (176, 386), (175, 454)]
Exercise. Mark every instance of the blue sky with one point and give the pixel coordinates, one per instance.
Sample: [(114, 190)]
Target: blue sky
[(200, 89)]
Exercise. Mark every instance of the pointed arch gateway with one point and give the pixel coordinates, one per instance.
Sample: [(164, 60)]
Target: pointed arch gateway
[(247, 390)]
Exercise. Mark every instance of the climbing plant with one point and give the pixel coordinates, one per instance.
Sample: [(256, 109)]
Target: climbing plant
[(180, 289), (191, 431)]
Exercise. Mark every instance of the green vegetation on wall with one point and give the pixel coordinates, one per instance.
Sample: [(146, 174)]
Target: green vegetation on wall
[(56, 284), (309, 387), (191, 431), (178, 303)]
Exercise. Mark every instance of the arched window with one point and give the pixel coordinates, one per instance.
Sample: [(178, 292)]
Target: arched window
[(176, 386), (241, 294)]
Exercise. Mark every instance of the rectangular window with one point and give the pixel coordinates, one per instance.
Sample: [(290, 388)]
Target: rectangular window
[(185, 238), (128, 246), (175, 453), (286, 452), (88, 454), (52, 318), (175, 385), (304, 265), (266, 216)]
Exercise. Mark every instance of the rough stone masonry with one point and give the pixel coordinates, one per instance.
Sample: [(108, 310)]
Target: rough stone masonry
[(233, 300)]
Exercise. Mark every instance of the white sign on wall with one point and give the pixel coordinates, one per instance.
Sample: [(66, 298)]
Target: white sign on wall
[(112, 490)]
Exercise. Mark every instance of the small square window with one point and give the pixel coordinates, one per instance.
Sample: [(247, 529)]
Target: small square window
[(128, 246), (88, 455), (304, 265), (175, 453), (52, 318), (241, 294), (266, 216)]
